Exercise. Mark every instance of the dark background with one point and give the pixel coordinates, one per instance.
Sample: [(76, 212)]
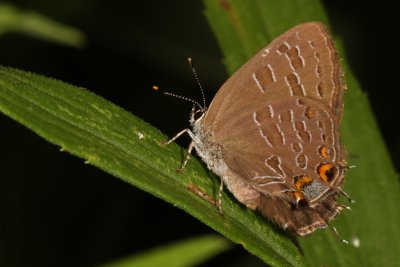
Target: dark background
[(57, 211)]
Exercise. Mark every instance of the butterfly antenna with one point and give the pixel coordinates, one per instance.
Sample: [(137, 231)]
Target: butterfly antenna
[(196, 76), (156, 88)]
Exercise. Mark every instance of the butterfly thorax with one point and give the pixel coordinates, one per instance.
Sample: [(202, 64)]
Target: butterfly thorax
[(209, 151)]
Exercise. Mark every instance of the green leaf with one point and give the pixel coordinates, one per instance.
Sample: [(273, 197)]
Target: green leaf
[(243, 28), (189, 252), (121, 144), (39, 26)]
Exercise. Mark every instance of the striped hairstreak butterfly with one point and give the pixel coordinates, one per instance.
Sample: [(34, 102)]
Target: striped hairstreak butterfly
[(272, 131)]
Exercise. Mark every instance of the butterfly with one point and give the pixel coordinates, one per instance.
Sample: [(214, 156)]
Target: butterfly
[(271, 132)]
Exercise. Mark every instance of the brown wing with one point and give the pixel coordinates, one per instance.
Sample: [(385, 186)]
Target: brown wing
[(277, 118), (271, 143), (301, 62)]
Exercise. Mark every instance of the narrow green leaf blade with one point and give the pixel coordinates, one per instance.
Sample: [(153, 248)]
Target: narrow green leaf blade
[(184, 253), (32, 23)]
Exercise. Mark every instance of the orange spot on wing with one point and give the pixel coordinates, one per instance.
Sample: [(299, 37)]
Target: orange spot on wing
[(325, 171), (301, 181), (323, 151)]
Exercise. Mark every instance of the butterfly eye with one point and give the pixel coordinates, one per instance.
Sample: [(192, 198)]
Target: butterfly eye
[(327, 171)]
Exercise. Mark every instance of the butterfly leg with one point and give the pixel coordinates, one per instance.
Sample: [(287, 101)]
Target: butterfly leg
[(176, 136), (198, 191), (189, 153), (190, 148)]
